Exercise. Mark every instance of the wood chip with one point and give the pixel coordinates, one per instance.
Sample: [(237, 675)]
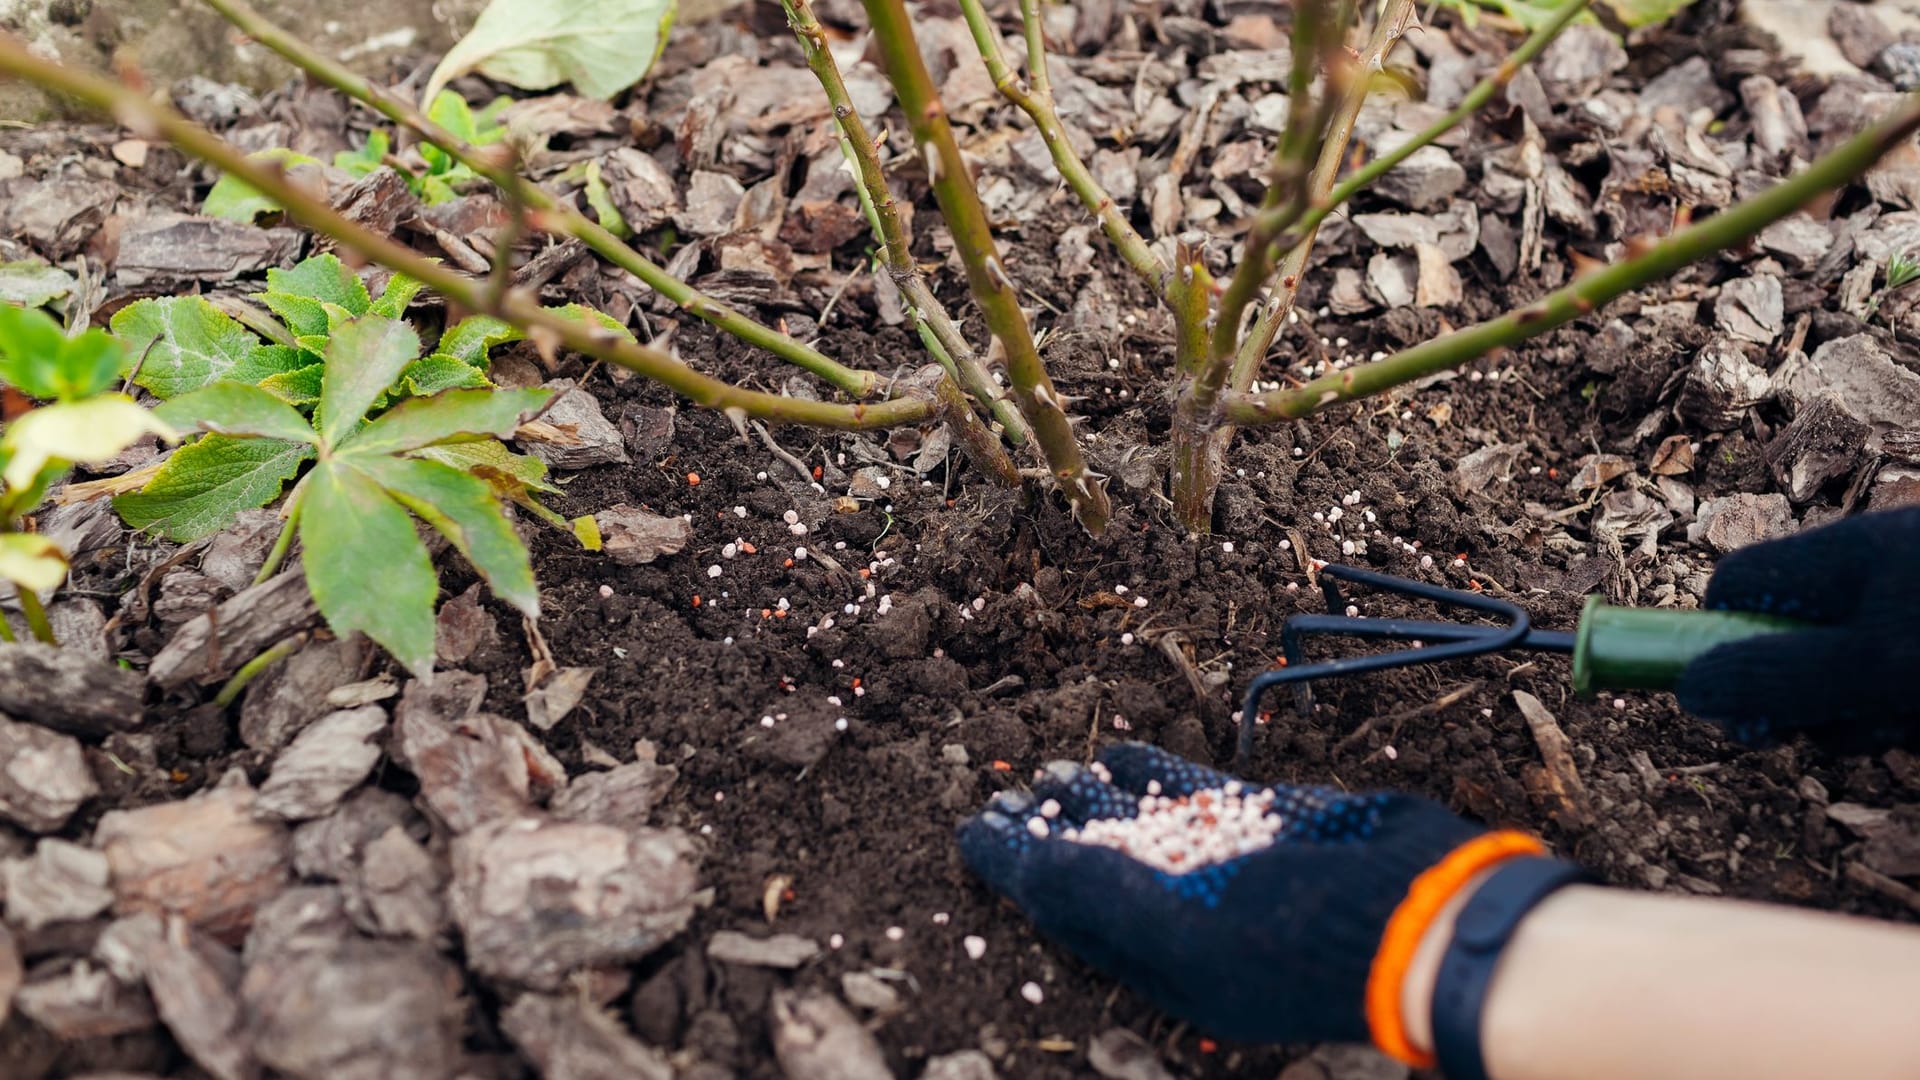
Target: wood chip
[(816, 1038), (1558, 780), (43, 776), (67, 691), (212, 647), (566, 1037)]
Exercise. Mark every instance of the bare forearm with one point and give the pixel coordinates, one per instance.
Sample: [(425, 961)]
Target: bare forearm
[(1600, 983)]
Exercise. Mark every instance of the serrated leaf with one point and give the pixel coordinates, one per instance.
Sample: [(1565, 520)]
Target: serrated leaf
[(304, 315), (324, 278), (463, 509), (364, 357), (299, 387), (31, 283), (236, 200), (231, 408), (600, 46), (74, 433), (187, 343), (511, 475), (365, 565), (436, 373), (31, 561), (452, 416), (267, 361), (583, 313), (399, 293), (473, 337), (200, 488)]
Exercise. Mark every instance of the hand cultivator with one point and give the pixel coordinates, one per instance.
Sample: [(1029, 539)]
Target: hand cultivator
[(1613, 648)]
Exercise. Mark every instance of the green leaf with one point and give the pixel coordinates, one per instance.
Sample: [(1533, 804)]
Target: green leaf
[(88, 364), (1637, 13), (462, 508), (435, 190), (266, 361), (30, 347), (299, 387), (601, 46), (601, 200), (473, 337), (364, 357), (399, 292), (74, 433), (204, 484), (583, 313), (236, 200), (436, 373), (187, 342), (304, 315), (324, 278), (365, 564), (231, 408), (33, 562), (444, 417), (32, 283), (369, 157), (511, 475)]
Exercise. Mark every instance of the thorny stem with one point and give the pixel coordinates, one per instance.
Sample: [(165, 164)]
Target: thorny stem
[(555, 216), (1037, 102), (876, 197), (1476, 99), (1333, 151), (987, 277), (284, 542), (159, 123), (1587, 294), (1199, 439), (36, 616), (251, 670)]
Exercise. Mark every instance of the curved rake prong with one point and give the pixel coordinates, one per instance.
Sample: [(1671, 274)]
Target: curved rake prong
[(1455, 640)]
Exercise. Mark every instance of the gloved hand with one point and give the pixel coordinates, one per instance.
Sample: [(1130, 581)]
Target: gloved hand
[(1847, 682), (1283, 943)]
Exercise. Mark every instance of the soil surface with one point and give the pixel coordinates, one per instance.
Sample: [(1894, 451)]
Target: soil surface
[(968, 634)]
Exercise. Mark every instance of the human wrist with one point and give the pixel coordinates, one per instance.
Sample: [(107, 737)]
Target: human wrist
[(1416, 990)]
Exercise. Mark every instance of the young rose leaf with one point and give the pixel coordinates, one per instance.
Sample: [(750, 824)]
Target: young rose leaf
[(432, 374), (299, 387), (399, 292), (600, 46), (203, 485), (231, 408), (462, 508), (236, 200), (364, 357), (324, 278), (186, 342), (31, 561), (74, 433), (455, 415), (365, 564), (473, 337)]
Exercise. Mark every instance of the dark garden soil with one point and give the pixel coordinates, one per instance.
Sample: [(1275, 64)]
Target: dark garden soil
[(968, 634)]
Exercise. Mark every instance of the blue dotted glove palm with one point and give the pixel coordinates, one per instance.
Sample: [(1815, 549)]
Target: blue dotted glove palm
[(1847, 681), (1271, 946)]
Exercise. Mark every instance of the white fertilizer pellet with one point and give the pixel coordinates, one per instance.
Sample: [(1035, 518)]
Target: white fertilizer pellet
[(1177, 835)]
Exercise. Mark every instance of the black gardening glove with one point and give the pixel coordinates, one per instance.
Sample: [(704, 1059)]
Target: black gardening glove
[(1848, 682), (1277, 944)]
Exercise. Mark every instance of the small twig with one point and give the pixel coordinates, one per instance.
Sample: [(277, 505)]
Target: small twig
[(1173, 644), (1394, 720), (799, 467), (1884, 885)]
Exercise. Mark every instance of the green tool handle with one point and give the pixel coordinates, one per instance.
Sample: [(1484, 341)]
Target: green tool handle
[(1623, 648)]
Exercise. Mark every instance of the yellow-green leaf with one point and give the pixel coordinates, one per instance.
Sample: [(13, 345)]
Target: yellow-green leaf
[(31, 561), (600, 46), (75, 432)]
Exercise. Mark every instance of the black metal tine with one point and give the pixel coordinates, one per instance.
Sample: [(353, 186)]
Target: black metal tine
[(1456, 640)]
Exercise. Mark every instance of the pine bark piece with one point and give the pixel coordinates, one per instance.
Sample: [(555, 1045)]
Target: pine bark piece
[(206, 858), (85, 1002), (1824, 442), (478, 769), (59, 882), (324, 762), (623, 796), (12, 972), (816, 1038), (67, 691), (211, 647), (193, 982), (43, 777), (294, 693), (568, 1039), (350, 1008), (536, 899)]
